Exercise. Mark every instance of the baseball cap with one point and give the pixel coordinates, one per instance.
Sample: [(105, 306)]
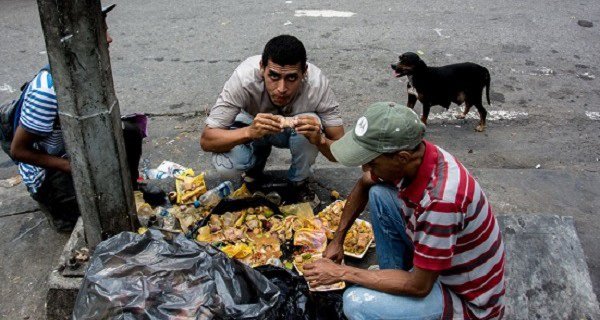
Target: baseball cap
[(384, 128), (107, 9)]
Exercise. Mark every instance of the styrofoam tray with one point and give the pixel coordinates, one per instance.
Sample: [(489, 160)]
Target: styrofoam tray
[(336, 286), (362, 254)]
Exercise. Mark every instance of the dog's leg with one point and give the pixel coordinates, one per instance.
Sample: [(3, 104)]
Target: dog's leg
[(412, 101), (482, 116), (465, 111), (425, 115)]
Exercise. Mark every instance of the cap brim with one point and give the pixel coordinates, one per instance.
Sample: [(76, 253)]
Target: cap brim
[(350, 153)]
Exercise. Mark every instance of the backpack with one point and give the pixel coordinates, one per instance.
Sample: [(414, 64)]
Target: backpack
[(10, 113)]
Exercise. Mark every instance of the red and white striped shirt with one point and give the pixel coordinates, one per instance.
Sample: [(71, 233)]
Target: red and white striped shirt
[(454, 232)]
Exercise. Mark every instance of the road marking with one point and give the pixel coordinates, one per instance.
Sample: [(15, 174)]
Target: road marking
[(324, 13), (593, 115), (6, 87), (494, 115)]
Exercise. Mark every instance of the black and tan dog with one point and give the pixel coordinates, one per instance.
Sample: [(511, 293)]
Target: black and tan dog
[(459, 83)]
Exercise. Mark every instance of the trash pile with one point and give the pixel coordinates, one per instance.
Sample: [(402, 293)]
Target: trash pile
[(252, 228)]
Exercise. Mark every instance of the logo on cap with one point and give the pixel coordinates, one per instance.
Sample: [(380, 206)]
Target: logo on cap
[(361, 126)]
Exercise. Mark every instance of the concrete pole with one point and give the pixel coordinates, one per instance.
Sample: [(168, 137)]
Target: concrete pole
[(89, 114)]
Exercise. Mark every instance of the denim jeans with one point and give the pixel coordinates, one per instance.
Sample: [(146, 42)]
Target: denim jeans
[(394, 251), (252, 157)]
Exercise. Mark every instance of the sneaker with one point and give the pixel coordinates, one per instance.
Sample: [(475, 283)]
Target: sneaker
[(252, 183)]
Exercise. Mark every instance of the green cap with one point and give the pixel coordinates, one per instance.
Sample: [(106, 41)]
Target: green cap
[(386, 127)]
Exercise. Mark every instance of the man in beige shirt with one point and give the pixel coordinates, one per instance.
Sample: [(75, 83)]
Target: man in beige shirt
[(277, 99)]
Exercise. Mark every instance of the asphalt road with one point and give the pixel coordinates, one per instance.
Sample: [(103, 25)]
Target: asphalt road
[(170, 59)]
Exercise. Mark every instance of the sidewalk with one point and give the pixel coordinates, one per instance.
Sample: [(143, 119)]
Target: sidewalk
[(30, 248)]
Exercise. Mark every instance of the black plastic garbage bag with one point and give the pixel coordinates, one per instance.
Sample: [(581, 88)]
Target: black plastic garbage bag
[(297, 302), (133, 276)]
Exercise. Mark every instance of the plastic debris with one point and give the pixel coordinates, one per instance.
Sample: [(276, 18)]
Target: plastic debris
[(167, 169), (133, 276), (171, 168), (212, 197), (189, 187), (241, 192)]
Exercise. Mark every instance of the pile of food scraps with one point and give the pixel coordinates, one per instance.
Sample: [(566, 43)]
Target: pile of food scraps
[(256, 236)]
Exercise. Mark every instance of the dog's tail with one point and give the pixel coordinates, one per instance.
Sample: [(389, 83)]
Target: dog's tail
[(487, 85)]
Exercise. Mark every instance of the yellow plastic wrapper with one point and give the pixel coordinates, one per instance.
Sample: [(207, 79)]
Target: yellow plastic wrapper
[(189, 187), (300, 210), (241, 192), (238, 250), (204, 234), (138, 196)]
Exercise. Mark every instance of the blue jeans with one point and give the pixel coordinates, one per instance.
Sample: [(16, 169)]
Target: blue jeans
[(252, 157), (394, 251)]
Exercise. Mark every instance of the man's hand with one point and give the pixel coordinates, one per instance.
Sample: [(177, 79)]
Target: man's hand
[(334, 251), (264, 124), (323, 272), (310, 127)]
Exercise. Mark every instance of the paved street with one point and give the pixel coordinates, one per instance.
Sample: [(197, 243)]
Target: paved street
[(170, 60)]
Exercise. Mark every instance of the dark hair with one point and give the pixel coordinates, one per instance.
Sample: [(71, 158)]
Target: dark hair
[(392, 154), (284, 50)]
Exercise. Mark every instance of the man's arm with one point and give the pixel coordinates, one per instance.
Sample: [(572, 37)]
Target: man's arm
[(355, 204), (417, 283), (21, 149), (331, 134), (310, 127), (220, 140)]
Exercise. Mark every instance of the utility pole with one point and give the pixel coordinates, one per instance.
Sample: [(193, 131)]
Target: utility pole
[(89, 114)]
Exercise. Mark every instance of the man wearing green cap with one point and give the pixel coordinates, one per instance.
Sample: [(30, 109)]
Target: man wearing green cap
[(439, 245)]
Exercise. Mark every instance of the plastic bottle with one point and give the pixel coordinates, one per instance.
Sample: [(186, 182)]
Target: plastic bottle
[(212, 197), (156, 174)]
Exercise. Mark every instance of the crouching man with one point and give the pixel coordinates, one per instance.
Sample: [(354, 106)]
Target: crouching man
[(39, 149), (439, 246), (277, 99)]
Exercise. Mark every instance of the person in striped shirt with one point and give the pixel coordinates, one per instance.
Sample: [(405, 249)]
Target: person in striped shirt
[(439, 246), (39, 149)]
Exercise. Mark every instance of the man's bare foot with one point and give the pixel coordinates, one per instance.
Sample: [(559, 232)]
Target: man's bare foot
[(480, 128)]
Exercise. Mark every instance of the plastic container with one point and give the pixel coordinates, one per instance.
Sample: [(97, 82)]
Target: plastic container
[(212, 197), (171, 168), (156, 174)]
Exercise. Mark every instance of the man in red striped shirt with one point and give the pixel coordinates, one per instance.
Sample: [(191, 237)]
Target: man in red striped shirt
[(439, 245)]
